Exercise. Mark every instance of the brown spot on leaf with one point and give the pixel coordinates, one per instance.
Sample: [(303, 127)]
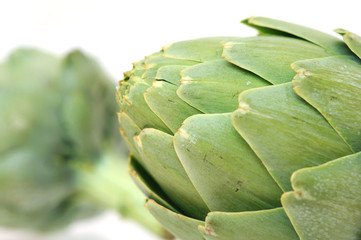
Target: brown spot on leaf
[(299, 194), (209, 231), (239, 183)]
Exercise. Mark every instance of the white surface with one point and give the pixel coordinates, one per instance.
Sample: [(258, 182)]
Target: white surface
[(122, 31), (118, 32), (108, 226)]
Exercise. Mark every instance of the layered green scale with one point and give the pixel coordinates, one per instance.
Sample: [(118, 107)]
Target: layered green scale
[(249, 138)]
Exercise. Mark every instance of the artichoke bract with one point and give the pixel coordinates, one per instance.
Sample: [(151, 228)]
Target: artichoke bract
[(58, 131), (249, 138)]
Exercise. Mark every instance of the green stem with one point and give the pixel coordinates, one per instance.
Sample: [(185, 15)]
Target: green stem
[(109, 185)]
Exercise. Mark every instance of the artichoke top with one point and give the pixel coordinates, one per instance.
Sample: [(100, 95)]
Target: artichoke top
[(249, 138)]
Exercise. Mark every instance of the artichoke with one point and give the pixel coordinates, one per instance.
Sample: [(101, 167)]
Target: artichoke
[(249, 138), (58, 138)]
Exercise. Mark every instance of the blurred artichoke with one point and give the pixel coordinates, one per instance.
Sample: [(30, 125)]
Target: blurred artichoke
[(285, 165), (60, 149)]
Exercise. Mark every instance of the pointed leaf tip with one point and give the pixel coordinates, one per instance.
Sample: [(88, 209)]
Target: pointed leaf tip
[(352, 40)]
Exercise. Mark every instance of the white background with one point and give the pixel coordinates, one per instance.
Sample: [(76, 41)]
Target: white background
[(120, 32)]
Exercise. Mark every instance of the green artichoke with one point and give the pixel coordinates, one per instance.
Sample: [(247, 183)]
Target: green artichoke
[(249, 138), (58, 131)]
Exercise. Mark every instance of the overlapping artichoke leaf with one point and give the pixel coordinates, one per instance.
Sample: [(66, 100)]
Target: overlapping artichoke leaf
[(332, 85), (160, 159), (277, 27), (352, 40), (285, 132), (147, 184), (162, 99), (158, 205), (219, 81), (325, 203), (270, 57), (270, 224), (241, 171), (179, 225), (224, 169), (199, 50)]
